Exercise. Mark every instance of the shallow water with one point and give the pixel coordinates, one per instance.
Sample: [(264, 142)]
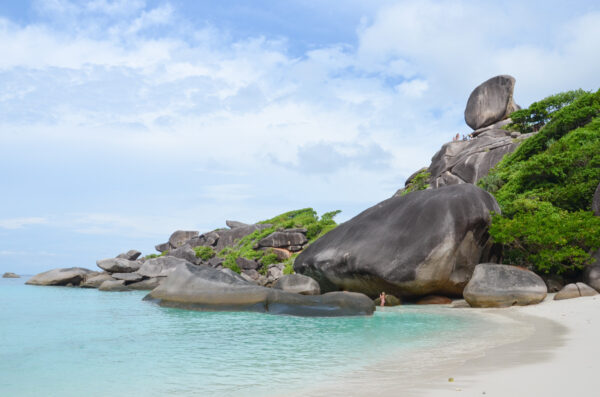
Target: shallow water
[(72, 342)]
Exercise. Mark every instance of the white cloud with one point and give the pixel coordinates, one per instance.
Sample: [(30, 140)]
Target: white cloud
[(413, 88), (20, 223)]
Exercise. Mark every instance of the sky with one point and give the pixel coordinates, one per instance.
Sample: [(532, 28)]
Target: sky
[(122, 121)]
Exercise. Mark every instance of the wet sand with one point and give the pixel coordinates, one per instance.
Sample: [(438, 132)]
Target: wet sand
[(548, 349)]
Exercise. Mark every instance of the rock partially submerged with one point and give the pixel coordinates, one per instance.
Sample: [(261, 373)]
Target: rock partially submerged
[(490, 102), (69, 276), (575, 290), (97, 280), (298, 284), (113, 285), (494, 285), (146, 285), (10, 275), (208, 289), (425, 242)]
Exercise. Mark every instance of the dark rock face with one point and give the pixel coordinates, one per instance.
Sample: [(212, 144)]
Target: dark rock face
[(207, 239), (128, 277), (596, 202), (96, 281), (494, 285), (118, 265), (434, 300), (425, 242), (130, 255), (204, 288), (162, 247), (490, 102), (575, 290), (469, 161), (10, 275), (283, 239), (148, 284), (160, 267), (180, 237), (227, 238), (185, 252), (116, 285), (591, 275), (72, 275), (247, 264), (298, 284)]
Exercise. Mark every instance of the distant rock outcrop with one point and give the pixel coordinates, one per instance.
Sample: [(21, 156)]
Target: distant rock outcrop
[(118, 265), (130, 255), (491, 102), (10, 275), (205, 288), (425, 242), (70, 276), (494, 285)]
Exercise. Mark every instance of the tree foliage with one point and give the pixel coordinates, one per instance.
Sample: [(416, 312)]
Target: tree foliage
[(546, 186)]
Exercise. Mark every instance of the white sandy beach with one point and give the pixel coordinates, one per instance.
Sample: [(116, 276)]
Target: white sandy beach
[(559, 359), (549, 349)]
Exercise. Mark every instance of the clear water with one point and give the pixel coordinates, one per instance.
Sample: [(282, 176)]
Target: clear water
[(57, 341)]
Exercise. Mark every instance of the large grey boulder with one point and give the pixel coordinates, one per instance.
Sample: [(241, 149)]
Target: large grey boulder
[(299, 284), (283, 239), (115, 285), (96, 280), (207, 239), (10, 275), (130, 255), (575, 290), (591, 275), (162, 247), (185, 252), (469, 161), (490, 102), (118, 265), (72, 275), (596, 201), (159, 267), (247, 264), (180, 237), (494, 285), (422, 243), (228, 237), (207, 289)]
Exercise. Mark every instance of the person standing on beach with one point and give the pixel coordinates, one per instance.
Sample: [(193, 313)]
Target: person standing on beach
[(382, 299)]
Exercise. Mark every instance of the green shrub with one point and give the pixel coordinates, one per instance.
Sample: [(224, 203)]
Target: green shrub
[(547, 239), (304, 218), (545, 188), (151, 256), (539, 113), (418, 182), (204, 253)]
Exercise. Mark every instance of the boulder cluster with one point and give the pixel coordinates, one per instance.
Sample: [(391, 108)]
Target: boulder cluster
[(427, 243)]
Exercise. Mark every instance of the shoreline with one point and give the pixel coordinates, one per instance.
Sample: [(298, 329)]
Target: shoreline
[(546, 349), (557, 359)]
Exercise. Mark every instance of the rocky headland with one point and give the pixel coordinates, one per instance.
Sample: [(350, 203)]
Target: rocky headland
[(498, 218)]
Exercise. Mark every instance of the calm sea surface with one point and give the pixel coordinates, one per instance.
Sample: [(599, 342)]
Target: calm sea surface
[(57, 341)]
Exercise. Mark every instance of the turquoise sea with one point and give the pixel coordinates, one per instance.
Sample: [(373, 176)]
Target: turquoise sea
[(58, 341)]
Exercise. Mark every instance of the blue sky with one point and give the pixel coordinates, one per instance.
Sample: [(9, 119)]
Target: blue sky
[(122, 121)]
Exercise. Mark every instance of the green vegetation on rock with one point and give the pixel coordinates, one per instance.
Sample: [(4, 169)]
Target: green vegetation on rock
[(418, 182), (545, 188), (306, 218), (204, 253)]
